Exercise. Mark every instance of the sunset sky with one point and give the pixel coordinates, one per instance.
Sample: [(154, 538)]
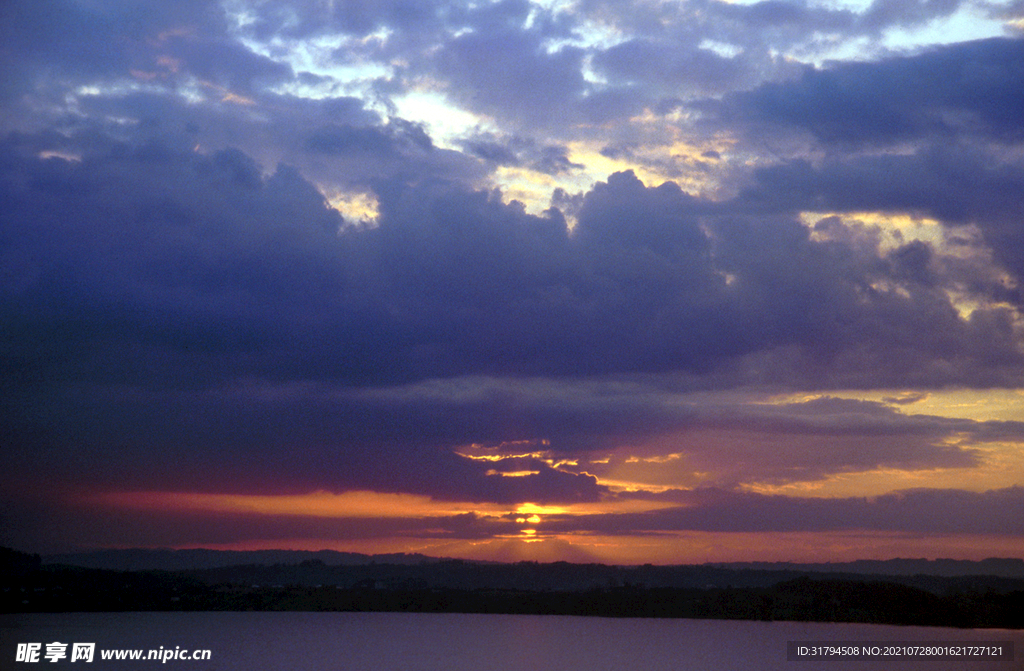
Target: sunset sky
[(595, 280)]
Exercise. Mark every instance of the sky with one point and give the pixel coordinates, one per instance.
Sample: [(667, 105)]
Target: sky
[(622, 281)]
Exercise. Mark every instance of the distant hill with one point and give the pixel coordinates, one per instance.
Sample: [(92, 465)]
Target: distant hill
[(565, 577), (947, 568), (456, 586), (198, 559), (185, 560), (405, 571), (18, 564)]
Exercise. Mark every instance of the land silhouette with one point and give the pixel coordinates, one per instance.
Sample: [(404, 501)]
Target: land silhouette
[(954, 594)]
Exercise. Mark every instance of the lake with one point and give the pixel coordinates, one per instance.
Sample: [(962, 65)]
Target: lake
[(297, 641)]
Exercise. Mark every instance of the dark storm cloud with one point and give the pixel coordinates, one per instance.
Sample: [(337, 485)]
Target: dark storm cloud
[(923, 511), (175, 288), (671, 67), (273, 127), (144, 280), (972, 89), (904, 13), (360, 153), (183, 78), (389, 141), (953, 112), (509, 75), (491, 58), (226, 63), (300, 19), (550, 159), (293, 438), (150, 234), (68, 42), (929, 511), (332, 140), (706, 510), (958, 186), (106, 526), (489, 149), (731, 443), (510, 60), (201, 268), (759, 26), (955, 185), (283, 437), (680, 51)]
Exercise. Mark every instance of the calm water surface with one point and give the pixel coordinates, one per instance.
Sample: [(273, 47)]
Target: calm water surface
[(456, 642)]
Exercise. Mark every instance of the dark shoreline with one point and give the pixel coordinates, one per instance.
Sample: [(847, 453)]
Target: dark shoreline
[(454, 586)]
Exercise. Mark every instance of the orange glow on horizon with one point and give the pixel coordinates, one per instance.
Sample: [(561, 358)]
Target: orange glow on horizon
[(534, 509), (668, 549), (535, 543), (354, 504), (366, 504)]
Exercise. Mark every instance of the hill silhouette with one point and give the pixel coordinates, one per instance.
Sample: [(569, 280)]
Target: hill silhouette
[(415, 584)]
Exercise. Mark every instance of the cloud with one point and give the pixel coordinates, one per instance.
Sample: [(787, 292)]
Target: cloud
[(106, 526), (962, 90), (286, 437), (179, 284), (910, 511), (903, 13), (957, 186), (156, 266), (695, 442), (225, 63), (906, 398), (74, 43), (345, 139), (510, 76), (671, 67)]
